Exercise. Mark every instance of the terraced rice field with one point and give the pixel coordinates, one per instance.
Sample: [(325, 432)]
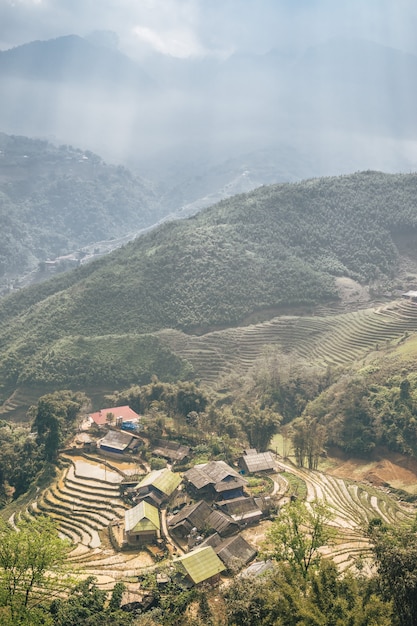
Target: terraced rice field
[(353, 506), (83, 501), (322, 341)]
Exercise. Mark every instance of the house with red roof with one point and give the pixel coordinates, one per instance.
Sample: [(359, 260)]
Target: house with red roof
[(115, 416)]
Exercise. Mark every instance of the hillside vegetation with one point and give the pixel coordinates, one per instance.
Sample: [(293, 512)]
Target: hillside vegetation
[(56, 200), (258, 253)]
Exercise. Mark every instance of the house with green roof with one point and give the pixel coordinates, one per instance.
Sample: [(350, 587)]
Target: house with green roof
[(202, 565), (158, 486), (142, 524)]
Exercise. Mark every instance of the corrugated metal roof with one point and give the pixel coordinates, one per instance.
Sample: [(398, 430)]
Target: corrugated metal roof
[(201, 564), (259, 462), (125, 413), (164, 480), (142, 517), (115, 439)]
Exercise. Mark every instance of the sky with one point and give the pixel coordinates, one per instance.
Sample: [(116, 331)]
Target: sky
[(195, 28)]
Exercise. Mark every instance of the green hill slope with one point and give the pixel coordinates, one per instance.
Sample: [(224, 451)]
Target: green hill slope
[(276, 247), (55, 200)]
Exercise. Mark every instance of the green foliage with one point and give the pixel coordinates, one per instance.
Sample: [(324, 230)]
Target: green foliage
[(20, 461), (87, 604), (377, 406), (115, 359), (308, 439), (297, 486), (327, 598), (26, 454), (54, 419), (56, 200), (275, 247), (287, 384), (395, 549), (31, 565), (156, 463), (260, 425), (172, 399), (298, 533)]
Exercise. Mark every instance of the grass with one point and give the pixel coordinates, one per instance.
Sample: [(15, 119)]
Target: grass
[(297, 486), (260, 485)]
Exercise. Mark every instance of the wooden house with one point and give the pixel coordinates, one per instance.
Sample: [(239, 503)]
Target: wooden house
[(142, 524), (214, 481), (235, 552), (158, 486), (171, 450), (202, 565), (204, 519), (244, 510), (119, 442)]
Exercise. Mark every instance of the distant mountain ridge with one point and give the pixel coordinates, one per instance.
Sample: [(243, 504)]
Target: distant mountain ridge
[(72, 58), (338, 107)]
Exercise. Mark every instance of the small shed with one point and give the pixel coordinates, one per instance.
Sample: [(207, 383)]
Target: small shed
[(201, 565), (171, 450), (118, 442), (410, 295), (142, 524), (257, 569), (253, 462)]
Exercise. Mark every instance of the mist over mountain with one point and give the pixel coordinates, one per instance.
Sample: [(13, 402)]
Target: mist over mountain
[(54, 201), (331, 108)]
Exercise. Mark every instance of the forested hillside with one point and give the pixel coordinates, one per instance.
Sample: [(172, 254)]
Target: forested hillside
[(258, 253), (56, 200)]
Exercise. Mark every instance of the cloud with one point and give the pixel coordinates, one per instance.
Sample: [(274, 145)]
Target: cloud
[(177, 43), (196, 27)]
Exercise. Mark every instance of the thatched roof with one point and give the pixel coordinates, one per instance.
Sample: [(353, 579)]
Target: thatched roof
[(216, 473)]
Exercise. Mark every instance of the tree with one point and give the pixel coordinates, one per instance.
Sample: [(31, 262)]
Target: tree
[(86, 605), (54, 418), (298, 533), (308, 438), (31, 564), (395, 549), (109, 418), (259, 424), (284, 596)]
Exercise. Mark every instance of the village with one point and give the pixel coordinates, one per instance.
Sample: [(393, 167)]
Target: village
[(164, 513), (192, 523)]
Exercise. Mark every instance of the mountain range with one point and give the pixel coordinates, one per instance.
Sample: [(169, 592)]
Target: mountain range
[(252, 257), (337, 107)]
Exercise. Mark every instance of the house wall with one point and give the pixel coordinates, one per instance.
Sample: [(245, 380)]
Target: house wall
[(141, 539)]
